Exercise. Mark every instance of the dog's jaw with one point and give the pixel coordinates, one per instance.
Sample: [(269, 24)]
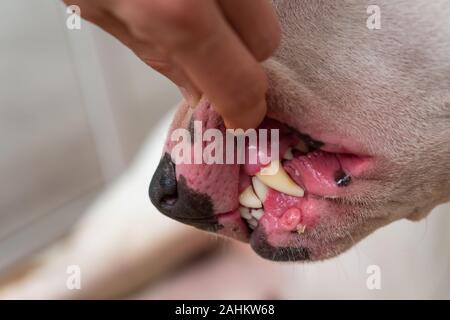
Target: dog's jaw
[(386, 98), (208, 196)]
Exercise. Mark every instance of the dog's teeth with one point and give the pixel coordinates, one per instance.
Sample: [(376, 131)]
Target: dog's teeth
[(252, 222), (249, 199), (257, 213), (288, 154), (281, 182), (245, 213), (301, 228), (260, 189), (302, 147)]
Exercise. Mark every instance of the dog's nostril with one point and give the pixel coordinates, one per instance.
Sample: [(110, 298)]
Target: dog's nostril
[(168, 201), (169, 192), (174, 198), (163, 188)]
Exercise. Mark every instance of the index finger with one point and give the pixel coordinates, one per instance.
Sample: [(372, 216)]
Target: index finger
[(229, 76), (211, 54)]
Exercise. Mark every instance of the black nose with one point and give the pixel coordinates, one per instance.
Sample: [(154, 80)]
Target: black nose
[(163, 188), (177, 201)]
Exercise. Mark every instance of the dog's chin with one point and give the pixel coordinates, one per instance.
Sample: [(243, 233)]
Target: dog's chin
[(295, 214), (297, 248), (322, 241)]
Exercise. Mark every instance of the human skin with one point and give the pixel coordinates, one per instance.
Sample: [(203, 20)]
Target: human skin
[(194, 43)]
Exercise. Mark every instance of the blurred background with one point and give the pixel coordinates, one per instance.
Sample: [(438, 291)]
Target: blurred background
[(82, 122), (75, 105)]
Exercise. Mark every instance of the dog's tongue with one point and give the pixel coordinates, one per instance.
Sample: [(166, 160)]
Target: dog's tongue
[(318, 172)]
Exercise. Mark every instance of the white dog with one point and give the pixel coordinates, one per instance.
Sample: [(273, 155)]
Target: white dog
[(123, 242), (373, 108)]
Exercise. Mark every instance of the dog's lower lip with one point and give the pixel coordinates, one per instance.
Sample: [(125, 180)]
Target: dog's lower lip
[(187, 220)]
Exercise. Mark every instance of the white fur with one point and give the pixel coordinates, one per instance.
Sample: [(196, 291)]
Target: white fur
[(122, 242)]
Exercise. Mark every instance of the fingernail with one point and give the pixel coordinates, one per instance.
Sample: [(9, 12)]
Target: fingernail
[(250, 118)]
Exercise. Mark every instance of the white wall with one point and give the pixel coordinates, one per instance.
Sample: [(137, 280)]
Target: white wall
[(74, 108)]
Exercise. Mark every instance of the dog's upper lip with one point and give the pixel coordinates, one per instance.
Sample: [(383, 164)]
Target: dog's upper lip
[(196, 220), (335, 148), (209, 224), (212, 220)]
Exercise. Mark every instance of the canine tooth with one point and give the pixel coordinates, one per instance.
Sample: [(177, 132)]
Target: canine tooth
[(302, 147), (260, 189), (245, 213), (253, 222), (257, 214), (249, 199), (288, 154), (281, 182), (301, 228)]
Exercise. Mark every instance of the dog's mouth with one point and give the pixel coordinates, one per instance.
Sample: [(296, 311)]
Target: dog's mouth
[(279, 211), (285, 204)]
